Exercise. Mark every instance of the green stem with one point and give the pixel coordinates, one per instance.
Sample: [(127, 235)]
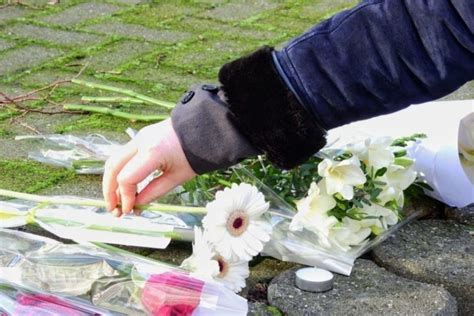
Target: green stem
[(130, 93), (117, 113), (112, 100), (156, 207)]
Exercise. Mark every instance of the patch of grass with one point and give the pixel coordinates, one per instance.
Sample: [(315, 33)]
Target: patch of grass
[(28, 176), (99, 122)]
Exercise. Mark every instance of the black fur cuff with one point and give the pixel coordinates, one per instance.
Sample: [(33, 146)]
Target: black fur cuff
[(267, 112)]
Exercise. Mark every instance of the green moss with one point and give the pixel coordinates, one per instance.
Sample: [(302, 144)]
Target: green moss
[(153, 16), (274, 311), (99, 122), (4, 132), (28, 176)]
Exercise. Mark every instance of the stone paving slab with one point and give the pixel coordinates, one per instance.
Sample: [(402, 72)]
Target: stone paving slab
[(59, 37), (115, 55), (232, 12), (463, 215), (315, 12), (139, 32), (439, 252), (5, 44), (81, 12), (11, 12), (370, 290), (221, 31), (25, 58)]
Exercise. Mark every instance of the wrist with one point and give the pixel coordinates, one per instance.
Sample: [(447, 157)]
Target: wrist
[(206, 131), (267, 112)]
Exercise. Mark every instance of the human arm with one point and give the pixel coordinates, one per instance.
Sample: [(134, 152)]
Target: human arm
[(374, 59)]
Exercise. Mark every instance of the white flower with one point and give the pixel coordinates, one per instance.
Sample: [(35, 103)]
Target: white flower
[(374, 152), (202, 262), (348, 233), (379, 217), (312, 213), (342, 176), (397, 179), (234, 222), (232, 273)]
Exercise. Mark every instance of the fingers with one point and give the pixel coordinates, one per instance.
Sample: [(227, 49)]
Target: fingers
[(112, 168), (135, 171), (159, 187)]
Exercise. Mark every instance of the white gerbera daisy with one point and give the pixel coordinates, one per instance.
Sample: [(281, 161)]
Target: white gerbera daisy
[(234, 222), (201, 263), (232, 273)]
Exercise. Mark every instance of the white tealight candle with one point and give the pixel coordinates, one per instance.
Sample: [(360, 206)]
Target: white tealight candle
[(314, 279)]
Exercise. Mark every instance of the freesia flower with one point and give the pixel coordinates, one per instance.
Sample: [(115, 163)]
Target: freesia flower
[(374, 152), (201, 263), (379, 216), (397, 178), (312, 212), (232, 273), (342, 176), (348, 233), (234, 222)]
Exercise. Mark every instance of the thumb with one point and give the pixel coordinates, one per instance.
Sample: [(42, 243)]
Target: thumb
[(158, 187)]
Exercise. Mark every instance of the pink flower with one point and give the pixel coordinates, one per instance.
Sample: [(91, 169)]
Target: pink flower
[(172, 294), (44, 305)]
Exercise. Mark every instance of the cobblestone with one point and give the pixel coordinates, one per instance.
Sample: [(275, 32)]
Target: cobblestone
[(239, 11), (25, 58), (139, 32), (81, 13), (54, 36), (9, 13), (113, 56), (5, 45)]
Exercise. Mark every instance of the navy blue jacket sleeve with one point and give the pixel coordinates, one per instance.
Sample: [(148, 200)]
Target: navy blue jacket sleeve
[(379, 57)]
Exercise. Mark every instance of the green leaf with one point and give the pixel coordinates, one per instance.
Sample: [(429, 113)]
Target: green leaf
[(401, 153), (374, 193), (403, 161), (380, 172)]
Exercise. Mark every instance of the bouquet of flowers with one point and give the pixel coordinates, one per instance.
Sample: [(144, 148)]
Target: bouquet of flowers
[(355, 201), (112, 279)]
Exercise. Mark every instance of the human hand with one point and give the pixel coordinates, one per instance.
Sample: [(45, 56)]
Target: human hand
[(155, 147)]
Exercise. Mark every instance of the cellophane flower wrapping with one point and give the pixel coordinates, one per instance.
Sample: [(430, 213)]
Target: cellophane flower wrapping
[(19, 300), (152, 229), (334, 242), (106, 277), (86, 155)]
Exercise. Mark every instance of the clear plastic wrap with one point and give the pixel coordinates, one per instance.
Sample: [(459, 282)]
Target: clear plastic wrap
[(305, 247), (18, 300), (86, 155), (109, 278), (152, 229)]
